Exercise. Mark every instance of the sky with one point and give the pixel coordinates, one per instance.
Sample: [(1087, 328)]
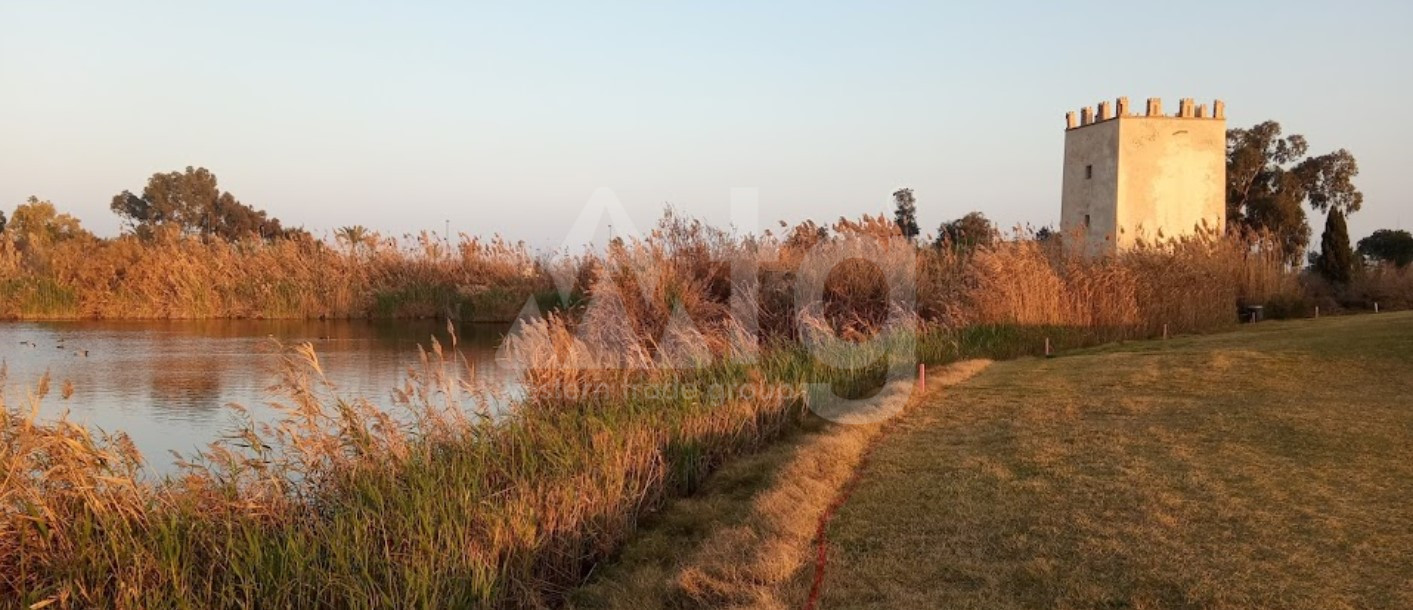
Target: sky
[(508, 117)]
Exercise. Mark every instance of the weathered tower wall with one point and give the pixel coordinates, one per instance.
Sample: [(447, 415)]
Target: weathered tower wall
[(1131, 178)]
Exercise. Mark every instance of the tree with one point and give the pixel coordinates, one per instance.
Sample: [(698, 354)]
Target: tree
[(1270, 178), (905, 213), (1329, 182), (966, 233), (2, 221), (1395, 247), (37, 223), (191, 201), (1336, 261), (353, 236)]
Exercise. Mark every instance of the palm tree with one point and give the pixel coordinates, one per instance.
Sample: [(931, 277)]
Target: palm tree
[(352, 236)]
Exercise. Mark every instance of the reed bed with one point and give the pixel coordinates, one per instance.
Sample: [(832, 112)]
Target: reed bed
[(181, 277), (340, 504), (690, 349)]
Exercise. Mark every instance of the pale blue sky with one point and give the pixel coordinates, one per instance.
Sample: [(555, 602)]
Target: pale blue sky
[(506, 117)]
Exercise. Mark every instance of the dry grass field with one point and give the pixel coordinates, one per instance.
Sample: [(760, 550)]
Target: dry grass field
[(1270, 467), (342, 504), (741, 541)]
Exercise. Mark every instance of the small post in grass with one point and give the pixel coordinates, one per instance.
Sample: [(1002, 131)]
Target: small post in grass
[(1165, 331), (1048, 353), (922, 376), (1317, 312), (1376, 307)]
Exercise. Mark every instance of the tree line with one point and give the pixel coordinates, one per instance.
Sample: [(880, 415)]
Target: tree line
[(192, 202), (188, 203), (1271, 180)]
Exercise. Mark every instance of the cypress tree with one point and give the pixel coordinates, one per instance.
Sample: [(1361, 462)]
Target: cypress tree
[(905, 213), (1336, 261)]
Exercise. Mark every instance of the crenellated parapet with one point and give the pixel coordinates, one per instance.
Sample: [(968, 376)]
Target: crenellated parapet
[(1188, 108)]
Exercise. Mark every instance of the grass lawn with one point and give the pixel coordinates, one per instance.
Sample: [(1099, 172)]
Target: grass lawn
[(1269, 467)]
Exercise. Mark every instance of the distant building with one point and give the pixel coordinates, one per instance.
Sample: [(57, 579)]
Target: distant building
[(1131, 178)]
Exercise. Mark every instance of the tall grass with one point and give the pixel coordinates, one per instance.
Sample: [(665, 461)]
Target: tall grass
[(341, 504), (1389, 286), (1384, 285), (177, 277), (670, 368)]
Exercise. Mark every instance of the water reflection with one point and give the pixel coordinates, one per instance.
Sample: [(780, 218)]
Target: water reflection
[(167, 383)]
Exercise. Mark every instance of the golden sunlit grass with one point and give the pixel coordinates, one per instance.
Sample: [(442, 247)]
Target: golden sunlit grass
[(740, 542), (341, 504), (437, 503), (175, 277), (1265, 468)]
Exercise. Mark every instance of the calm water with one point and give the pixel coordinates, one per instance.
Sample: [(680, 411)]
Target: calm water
[(167, 384)]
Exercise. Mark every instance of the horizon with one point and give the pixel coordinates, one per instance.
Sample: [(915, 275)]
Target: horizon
[(498, 122), (898, 319)]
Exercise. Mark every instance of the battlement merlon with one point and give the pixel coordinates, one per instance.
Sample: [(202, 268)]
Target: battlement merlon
[(1188, 108)]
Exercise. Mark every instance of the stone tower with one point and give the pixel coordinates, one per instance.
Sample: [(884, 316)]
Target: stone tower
[(1149, 177)]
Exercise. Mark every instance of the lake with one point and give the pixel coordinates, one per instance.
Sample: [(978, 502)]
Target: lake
[(167, 384)]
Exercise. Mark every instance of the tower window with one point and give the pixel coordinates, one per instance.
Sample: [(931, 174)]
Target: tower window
[(1088, 172), (1086, 221)]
